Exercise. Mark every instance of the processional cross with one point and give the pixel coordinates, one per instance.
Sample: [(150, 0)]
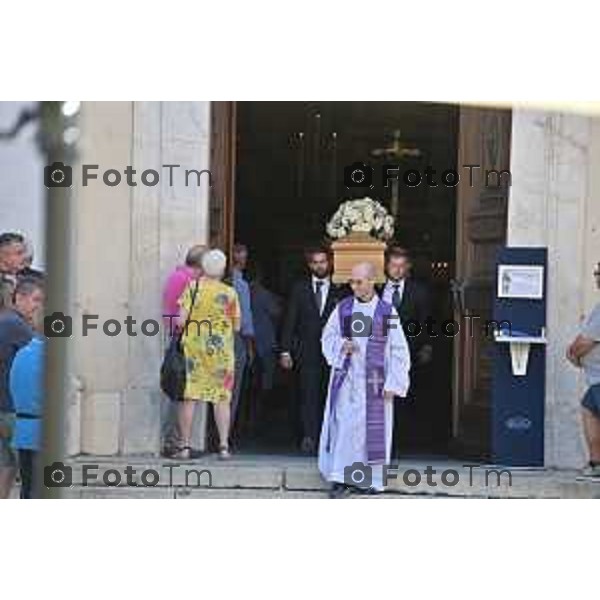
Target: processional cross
[(395, 153)]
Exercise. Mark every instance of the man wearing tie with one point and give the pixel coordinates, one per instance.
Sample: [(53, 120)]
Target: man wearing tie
[(412, 303), (311, 301)]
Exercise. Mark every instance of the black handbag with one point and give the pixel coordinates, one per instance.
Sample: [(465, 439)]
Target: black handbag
[(173, 372)]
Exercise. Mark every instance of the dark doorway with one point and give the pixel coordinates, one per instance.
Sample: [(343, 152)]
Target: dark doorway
[(289, 181)]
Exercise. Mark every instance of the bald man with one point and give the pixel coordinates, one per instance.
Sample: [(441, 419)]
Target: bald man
[(364, 344)]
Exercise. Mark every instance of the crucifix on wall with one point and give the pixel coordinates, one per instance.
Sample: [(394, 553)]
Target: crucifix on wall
[(395, 153)]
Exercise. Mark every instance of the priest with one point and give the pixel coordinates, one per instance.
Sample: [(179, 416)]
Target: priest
[(364, 344)]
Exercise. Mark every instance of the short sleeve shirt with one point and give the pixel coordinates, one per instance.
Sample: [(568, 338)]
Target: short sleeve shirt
[(591, 361)]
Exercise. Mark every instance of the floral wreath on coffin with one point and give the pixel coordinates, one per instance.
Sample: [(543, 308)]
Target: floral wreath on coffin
[(364, 215)]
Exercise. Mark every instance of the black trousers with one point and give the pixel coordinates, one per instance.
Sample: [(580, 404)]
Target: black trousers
[(414, 416), (314, 378), (27, 469)]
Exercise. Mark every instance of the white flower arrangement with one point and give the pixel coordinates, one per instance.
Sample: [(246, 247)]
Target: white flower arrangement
[(364, 215)]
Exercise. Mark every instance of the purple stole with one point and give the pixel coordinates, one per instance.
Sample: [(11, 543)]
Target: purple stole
[(375, 378)]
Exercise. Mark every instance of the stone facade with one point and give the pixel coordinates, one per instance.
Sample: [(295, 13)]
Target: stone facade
[(126, 240), (553, 203)]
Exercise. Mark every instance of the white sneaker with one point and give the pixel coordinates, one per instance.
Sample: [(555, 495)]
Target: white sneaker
[(590, 473)]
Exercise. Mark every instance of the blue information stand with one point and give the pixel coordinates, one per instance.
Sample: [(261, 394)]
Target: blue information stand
[(519, 357)]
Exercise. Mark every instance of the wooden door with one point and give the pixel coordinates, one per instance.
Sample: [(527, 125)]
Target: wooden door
[(484, 139), (222, 168)]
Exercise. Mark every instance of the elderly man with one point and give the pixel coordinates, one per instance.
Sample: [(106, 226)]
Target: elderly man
[(584, 353), (364, 344), (12, 258)]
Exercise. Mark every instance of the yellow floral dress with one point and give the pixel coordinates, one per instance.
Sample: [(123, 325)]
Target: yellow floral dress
[(208, 340)]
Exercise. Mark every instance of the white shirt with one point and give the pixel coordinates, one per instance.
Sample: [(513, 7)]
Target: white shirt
[(324, 290), (388, 290)]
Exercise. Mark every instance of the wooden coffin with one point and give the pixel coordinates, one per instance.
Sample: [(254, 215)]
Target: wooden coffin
[(355, 248)]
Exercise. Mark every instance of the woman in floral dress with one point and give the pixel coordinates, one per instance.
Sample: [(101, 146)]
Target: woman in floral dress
[(214, 317)]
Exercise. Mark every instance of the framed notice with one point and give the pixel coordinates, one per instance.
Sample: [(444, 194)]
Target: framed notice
[(521, 281)]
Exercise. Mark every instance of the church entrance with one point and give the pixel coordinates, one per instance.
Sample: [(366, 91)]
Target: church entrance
[(278, 176)]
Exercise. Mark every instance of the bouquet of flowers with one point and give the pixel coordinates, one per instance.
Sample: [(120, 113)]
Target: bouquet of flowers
[(364, 215)]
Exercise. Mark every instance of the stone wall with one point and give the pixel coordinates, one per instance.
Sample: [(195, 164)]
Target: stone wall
[(126, 240), (552, 203)]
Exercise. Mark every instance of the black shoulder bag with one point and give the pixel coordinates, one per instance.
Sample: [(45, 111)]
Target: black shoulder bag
[(173, 371)]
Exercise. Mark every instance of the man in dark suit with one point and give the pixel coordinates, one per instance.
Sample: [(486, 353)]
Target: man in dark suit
[(412, 301), (311, 302)]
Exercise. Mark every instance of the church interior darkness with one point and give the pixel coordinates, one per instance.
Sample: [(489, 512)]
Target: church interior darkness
[(289, 181)]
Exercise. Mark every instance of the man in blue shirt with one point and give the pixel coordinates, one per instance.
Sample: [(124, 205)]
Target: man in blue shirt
[(26, 388), (15, 332), (244, 340)]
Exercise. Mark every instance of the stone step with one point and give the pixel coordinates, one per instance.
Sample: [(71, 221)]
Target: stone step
[(255, 476)]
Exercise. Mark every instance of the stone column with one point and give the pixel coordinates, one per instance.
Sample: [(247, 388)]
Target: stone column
[(127, 240), (552, 204)]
